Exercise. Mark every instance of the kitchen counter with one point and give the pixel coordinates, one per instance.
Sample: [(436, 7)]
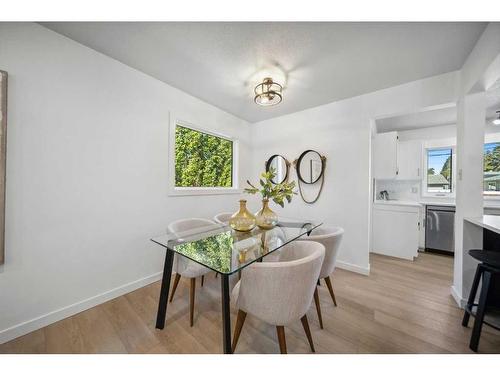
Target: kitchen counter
[(430, 203), (491, 222), (479, 232), (397, 203)]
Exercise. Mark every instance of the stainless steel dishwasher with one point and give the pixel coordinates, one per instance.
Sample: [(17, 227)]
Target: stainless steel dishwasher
[(440, 229)]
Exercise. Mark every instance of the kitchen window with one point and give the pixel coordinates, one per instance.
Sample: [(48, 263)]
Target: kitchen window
[(202, 162), (491, 169), (439, 165)]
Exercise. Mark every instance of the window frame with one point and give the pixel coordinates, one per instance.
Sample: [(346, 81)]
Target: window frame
[(189, 190), (490, 138), (425, 192)]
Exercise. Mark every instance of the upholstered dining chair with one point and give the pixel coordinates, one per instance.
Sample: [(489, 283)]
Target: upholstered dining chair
[(280, 293), (185, 267), (330, 237), (223, 217)]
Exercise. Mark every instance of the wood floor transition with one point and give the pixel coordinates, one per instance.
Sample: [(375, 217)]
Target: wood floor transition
[(402, 307)]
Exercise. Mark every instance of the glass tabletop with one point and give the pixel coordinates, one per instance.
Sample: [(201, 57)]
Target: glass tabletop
[(227, 251)]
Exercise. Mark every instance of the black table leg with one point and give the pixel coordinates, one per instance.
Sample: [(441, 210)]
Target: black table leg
[(226, 315), (481, 309), (165, 287)]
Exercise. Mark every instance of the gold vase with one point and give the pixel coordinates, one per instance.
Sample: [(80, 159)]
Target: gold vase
[(243, 220), (266, 218)]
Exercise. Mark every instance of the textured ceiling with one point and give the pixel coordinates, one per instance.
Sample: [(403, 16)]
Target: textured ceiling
[(220, 63)]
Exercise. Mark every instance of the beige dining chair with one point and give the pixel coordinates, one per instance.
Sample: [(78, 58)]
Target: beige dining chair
[(185, 267), (280, 293), (223, 217), (331, 238)]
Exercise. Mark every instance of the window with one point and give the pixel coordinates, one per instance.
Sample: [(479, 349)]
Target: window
[(439, 171), (491, 168), (201, 162)]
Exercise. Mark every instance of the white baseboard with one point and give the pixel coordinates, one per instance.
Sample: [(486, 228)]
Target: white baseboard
[(353, 267), (457, 297), (65, 312)]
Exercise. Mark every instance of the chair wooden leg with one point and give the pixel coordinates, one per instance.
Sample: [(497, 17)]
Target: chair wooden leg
[(174, 287), (191, 301), (318, 307), (281, 338), (202, 279), (305, 324), (237, 329), (330, 289)]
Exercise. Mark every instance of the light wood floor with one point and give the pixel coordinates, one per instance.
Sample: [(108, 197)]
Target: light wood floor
[(402, 307)]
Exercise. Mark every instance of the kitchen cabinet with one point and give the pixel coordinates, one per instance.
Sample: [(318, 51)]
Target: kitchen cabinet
[(395, 230), (395, 159), (385, 156), (409, 160)]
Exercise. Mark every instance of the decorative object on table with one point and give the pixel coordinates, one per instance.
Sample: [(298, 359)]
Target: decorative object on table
[(310, 168), (243, 220), (267, 218), (3, 156), (268, 93), (281, 165)]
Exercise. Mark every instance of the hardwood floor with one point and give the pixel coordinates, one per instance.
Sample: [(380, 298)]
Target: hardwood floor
[(402, 307)]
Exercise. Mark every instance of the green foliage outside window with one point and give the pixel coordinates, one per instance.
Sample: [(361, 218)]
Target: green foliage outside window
[(492, 157), (491, 175), (202, 160), (446, 170), (214, 251)]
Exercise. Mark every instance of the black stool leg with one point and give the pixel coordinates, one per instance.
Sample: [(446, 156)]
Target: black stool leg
[(481, 309), (472, 295)]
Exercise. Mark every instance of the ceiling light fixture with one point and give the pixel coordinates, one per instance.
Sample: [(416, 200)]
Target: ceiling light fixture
[(268, 93), (497, 120)]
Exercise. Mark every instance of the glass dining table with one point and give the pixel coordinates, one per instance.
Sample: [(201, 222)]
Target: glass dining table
[(225, 251)]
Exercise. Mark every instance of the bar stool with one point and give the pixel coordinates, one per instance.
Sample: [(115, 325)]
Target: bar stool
[(488, 269)]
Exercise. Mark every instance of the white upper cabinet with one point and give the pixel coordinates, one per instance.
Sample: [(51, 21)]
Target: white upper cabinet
[(409, 160), (385, 156), (396, 159)]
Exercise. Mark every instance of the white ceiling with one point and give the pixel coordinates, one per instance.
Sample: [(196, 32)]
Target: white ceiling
[(437, 117), (220, 63)]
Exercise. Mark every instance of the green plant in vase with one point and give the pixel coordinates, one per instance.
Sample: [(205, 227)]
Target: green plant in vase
[(278, 193)]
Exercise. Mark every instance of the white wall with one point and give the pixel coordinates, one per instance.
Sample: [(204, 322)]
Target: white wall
[(480, 70), (469, 196), (430, 133), (87, 174), (342, 131)]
